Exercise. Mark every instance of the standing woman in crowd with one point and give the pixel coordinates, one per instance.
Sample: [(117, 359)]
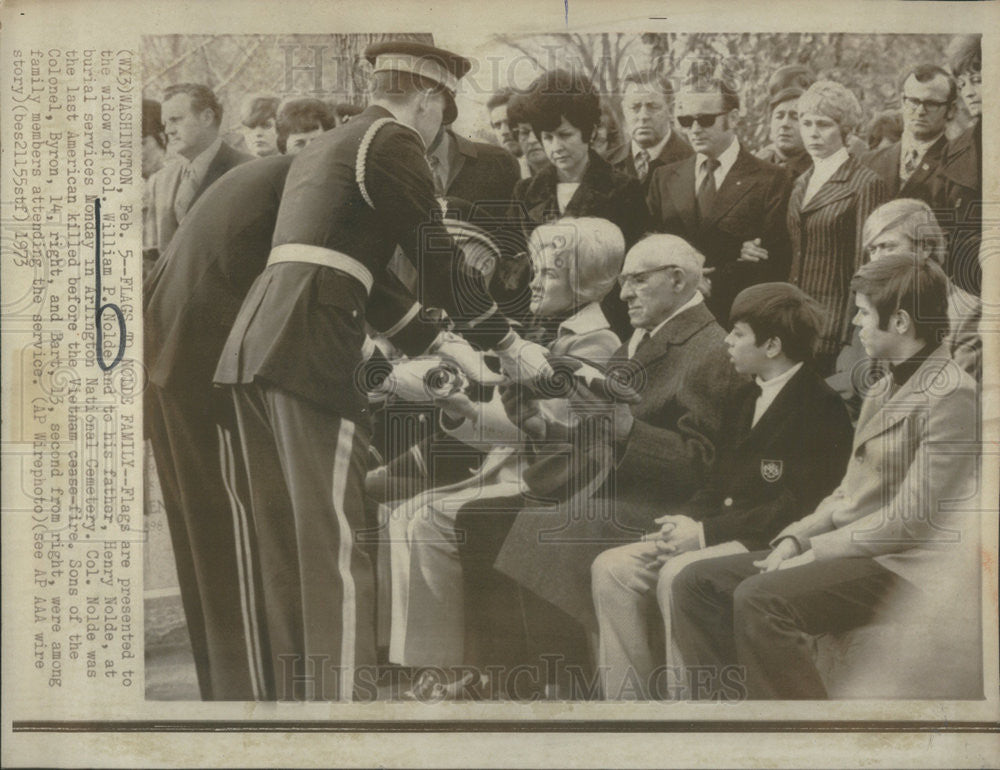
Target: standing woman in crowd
[(827, 211), (564, 111), (259, 118)]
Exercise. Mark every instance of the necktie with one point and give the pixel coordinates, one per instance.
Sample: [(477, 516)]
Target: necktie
[(910, 163), (706, 190), (642, 164), (185, 193)]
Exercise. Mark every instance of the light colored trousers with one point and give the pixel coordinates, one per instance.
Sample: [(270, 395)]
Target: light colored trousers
[(625, 582), (428, 613)]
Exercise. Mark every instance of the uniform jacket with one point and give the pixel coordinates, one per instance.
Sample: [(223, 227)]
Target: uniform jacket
[(886, 163), (910, 466), (751, 203), (827, 239), (676, 148), (361, 190), (623, 485), (773, 473), (957, 193), (196, 291), (164, 188), (481, 172)]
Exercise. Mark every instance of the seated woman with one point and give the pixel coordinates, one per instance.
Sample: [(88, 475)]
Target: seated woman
[(908, 225), (576, 262), (564, 111)]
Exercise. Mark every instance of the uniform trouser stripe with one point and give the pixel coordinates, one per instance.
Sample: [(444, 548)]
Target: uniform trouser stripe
[(244, 563), (341, 467)]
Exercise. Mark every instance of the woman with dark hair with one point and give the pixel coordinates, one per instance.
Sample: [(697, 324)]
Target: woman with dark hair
[(886, 129), (827, 211), (258, 115), (564, 111)]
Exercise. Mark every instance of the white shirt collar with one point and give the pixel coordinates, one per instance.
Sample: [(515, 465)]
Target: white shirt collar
[(769, 390), (198, 166), (639, 334), (589, 318), (654, 151), (726, 160), (823, 170)]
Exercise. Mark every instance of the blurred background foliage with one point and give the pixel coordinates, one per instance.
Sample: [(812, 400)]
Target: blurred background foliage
[(331, 66)]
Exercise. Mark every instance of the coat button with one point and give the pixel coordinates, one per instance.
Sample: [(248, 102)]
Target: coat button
[(728, 502)]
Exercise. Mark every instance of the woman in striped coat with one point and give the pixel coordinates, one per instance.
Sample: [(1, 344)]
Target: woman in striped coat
[(827, 211)]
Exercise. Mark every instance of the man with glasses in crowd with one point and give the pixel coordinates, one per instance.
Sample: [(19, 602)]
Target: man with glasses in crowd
[(730, 205), (908, 166)]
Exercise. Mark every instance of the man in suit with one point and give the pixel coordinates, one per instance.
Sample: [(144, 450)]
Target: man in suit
[(191, 302), (659, 452), (724, 201), (908, 166), (958, 184), (890, 528), (784, 447), (500, 121), (533, 158), (351, 198), (647, 105), (786, 149), (191, 118), (473, 171)]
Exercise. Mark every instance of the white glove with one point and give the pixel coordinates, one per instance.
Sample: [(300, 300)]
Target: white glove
[(455, 349), (523, 361)]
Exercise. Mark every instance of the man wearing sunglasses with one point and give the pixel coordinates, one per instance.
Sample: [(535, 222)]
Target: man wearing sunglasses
[(728, 204), (908, 166)]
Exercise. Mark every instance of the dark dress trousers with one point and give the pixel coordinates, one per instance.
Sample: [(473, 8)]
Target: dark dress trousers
[(751, 203), (351, 198), (886, 163), (604, 193), (191, 301)]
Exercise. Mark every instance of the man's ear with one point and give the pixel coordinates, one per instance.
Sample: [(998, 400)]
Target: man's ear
[(772, 348), (952, 110), (902, 322), (206, 117)]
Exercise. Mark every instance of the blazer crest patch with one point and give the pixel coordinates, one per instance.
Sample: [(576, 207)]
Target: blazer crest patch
[(771, 470)]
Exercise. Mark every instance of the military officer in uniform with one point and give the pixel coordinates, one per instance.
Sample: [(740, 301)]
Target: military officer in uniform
[(351, 197)]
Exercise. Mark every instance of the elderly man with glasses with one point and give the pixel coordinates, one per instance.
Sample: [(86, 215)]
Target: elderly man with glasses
[(659, 452)]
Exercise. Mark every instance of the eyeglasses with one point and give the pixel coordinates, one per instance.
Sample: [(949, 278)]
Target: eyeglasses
[(627, 279), (928, 104), (705, 120)]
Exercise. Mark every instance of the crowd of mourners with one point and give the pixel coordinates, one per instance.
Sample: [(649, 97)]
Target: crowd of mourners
[(605, 409)]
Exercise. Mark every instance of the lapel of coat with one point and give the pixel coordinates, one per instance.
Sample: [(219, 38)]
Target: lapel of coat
[(922, 174), (834, 189), (220, 164), (464, 149), (779, 411), (872, 422), (737, 184), (680, 186), (595, 186), (677, 331), (540, 197)]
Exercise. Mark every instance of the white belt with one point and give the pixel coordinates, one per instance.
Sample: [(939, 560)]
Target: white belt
[(317, 255)]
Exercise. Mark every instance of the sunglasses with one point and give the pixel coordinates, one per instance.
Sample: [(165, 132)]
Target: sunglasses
[(704, 120)]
